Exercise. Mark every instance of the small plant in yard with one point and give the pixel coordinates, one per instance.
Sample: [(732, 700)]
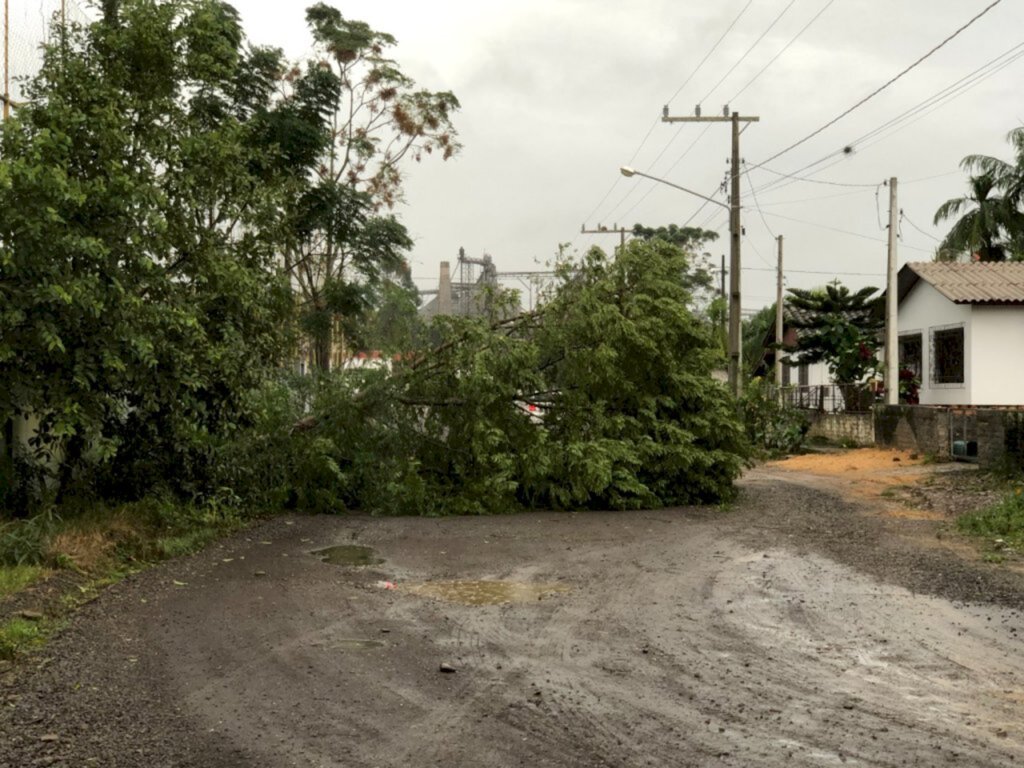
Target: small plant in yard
[(18, 635), (1003, 522), (772, 426)]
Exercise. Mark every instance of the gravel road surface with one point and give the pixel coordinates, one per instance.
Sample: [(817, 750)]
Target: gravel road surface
[(804, 626)]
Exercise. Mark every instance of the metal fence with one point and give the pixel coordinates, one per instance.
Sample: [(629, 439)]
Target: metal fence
[(831, 398)]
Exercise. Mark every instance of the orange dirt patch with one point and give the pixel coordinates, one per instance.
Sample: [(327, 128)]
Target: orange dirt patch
[(855, 462), (864, 472)]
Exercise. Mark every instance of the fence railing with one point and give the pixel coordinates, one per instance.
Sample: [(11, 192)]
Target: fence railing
[(830, 398)]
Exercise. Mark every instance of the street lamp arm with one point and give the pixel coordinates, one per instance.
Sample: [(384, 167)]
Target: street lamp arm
[(627, 171)]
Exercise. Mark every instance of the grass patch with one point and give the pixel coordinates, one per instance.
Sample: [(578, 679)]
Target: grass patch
[(17, 577), (102, 545), (18, 635), (1002, 522)]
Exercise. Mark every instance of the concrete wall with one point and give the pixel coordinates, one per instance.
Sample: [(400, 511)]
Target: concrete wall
[(997, 355), (858, 428), (913, 428), (922, 311), (998, 432)]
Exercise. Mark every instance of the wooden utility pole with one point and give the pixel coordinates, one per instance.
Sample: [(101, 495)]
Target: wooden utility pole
[(735, 230), (892, 355), (7, 68), (779, 315), (621, 231)]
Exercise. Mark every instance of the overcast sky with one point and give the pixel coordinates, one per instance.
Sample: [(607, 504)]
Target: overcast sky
[(557, 94)]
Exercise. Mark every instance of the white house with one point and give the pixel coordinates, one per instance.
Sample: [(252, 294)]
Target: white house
[(961, 330)]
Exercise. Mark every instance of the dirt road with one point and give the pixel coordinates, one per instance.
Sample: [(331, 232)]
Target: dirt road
[(805, 626)]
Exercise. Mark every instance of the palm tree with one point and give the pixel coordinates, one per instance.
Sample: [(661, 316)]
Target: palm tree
[(993, 225), (980, 229)]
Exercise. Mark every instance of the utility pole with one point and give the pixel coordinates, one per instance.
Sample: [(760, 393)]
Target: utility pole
[(7, 69), (892, 357), (735, 230), (601, 230), (778, 323)]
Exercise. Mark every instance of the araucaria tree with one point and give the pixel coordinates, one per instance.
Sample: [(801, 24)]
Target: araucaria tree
[(140, 299), (344, 246), (841, 328)]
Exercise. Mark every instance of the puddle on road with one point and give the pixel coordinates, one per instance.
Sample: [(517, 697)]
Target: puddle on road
[(485, 592), (358, 645), (348, 554)]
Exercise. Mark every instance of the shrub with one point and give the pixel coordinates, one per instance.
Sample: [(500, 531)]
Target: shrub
[(772, 426)]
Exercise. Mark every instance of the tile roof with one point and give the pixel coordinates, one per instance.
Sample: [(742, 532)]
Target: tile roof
[(976, 282)]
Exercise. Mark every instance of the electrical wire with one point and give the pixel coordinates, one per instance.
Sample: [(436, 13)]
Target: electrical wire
[(917, 112), (757, 204), (654, 124), (782, 51), (885, 85), (750, 49), (840, 231), (911, 223)]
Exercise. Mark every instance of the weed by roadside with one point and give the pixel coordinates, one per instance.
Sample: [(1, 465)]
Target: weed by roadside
[(50, 565), (1001, 524)]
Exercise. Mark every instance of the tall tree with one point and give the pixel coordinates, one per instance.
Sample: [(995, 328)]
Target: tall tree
[(982, 223), (139, 191), (840, 328), (992, 222), (344, 244)]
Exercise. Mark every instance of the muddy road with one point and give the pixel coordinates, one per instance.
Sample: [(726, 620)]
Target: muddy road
[(805, 626)]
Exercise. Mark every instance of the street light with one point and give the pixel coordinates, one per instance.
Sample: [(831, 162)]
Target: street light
[(735, 345), (627, 171)]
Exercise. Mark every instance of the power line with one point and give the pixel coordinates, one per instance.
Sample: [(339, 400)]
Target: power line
[(840, 231), (654, 124), (918, 111), (711, 51), (882, 87), (749, 50), (911, 223), (760, 212), (783, 50)]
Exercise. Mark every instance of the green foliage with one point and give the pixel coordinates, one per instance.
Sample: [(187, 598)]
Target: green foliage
[(772, 426), (989, 224), (1003, 520), (16, 577), (343, 255), (840, 328), (23, 542), (19, 635), (602, 399), (139, 191), (755, 333)]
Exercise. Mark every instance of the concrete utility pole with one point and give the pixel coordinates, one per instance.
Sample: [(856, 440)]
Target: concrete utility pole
[(778, 323), (735, 230), (621, 231), (892, 355)]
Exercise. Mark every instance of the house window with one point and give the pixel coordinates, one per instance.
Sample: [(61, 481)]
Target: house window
[(910, 353), (804, 374), (787, 374), (948, 356)]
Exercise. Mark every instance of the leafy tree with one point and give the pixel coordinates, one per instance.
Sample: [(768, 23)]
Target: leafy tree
[(603, 398), (992, 225), (139, 296), (343, 247), (982, 226), (755, 330), (841, 328), (694, 241)]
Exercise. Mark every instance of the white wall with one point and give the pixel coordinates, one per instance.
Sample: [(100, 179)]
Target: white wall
[(997, 355), (923, 310)]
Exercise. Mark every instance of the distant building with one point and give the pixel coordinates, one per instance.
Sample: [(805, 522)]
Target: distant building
[(470, 294)]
